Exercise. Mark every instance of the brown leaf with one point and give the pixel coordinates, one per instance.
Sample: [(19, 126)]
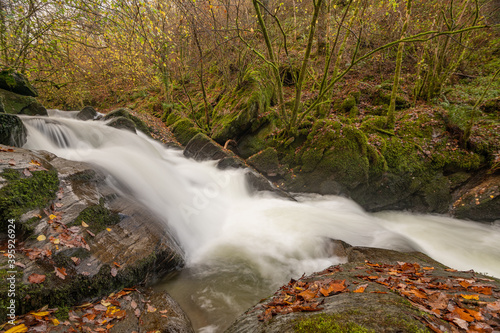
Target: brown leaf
[(114, 271), (36, 278), (117, 264), (90, 233), (483, 290), (60, 272), (12, 162), (463, 314), (100, 307), (137, 312), (133, 304), (495, 306), (27, 173), (150, 308)]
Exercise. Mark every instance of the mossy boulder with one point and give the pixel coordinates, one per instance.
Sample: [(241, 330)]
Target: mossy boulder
[(184, 130), (333, 160), (122, 123), (17, 83), (382, 96), (12, 131), (251, 143), (265, 162), (18, 104), (88, 240), (87, 113), (124, 112), (241, 111), (491, 106)]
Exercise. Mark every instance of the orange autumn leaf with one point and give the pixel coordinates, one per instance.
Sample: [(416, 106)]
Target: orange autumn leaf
[(307, 295), (361, 288), (60, 272), (483, 290), (463, 314), (464, 284)]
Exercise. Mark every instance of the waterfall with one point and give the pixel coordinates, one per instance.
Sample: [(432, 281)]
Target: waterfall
[(254, 241)]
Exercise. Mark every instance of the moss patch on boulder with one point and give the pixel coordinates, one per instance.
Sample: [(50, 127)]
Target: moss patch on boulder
[(184, 130), (124, 112)]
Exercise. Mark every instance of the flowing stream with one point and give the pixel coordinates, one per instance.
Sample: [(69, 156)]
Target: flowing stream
[(240, 247)]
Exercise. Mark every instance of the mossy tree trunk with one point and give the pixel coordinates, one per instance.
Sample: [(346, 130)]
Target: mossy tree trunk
[(399, 59)]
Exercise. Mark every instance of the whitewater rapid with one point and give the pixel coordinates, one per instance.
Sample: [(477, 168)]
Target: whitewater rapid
[(225, 229)]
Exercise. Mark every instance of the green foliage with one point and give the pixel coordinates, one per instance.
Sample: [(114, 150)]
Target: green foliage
[(21, 194)]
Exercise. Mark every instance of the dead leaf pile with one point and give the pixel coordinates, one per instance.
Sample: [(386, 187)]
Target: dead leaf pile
[(468, 304), (299, 296)]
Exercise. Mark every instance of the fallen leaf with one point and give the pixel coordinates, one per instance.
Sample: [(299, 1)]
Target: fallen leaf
[(35, 162), (469, 297), (60, 272), (163, 311), (17, 329), (27, 173), (137, 313), (41, 238), (40, 314), (52, 216), (483, 290), (100, 307), (108, 229), (450, 270), (76, 260), (361, 288), (55, 321), (36, 278), (495, 306), (85, 225), (12, 162), (150, 308), (117, 264), (90, 233), (133, 304), (114, 271), (308, 295)]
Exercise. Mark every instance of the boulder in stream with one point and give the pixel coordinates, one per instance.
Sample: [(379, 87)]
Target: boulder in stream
[(379, 291), (12, 130)]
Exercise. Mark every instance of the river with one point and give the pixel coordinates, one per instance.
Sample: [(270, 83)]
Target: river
[(241, 246)]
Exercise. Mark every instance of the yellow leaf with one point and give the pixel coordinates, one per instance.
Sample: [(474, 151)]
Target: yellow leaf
[(56, 241), (105, 303), (55, 321), (41, 238), (17, 329), (108, 229), (40, 314), (52, 216), (85, 225), (474, 297)]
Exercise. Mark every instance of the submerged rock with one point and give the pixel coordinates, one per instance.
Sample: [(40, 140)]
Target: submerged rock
[(74, 228)]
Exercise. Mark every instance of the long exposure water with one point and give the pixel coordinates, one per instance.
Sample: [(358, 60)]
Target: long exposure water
[(240, 246)]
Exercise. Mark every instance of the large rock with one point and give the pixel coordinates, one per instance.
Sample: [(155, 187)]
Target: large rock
[(86, 238), (12, 131), (378, 291), (19, 104), (17, 83), (87, 113), (122, 123), (202, 148), (124, 112)]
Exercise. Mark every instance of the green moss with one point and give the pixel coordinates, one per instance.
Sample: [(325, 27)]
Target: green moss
[(184, 130), (22, 194), (98, 217), (348, 104), (402, 156), (172, 118), (242, 110), (265, 161), (328, 324), (373, 124)]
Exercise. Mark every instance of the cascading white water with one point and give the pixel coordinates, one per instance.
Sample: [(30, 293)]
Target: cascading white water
[(239, 247)]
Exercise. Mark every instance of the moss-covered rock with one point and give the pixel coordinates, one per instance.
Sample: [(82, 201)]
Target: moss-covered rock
[(12, 131), (265, 162), (491, 106), (172, 118), (122, 123), (124, 112), (184, 130), (241, 111), (17, 83), (18, 104), (87, 113), (24, 191), (95, 241)]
